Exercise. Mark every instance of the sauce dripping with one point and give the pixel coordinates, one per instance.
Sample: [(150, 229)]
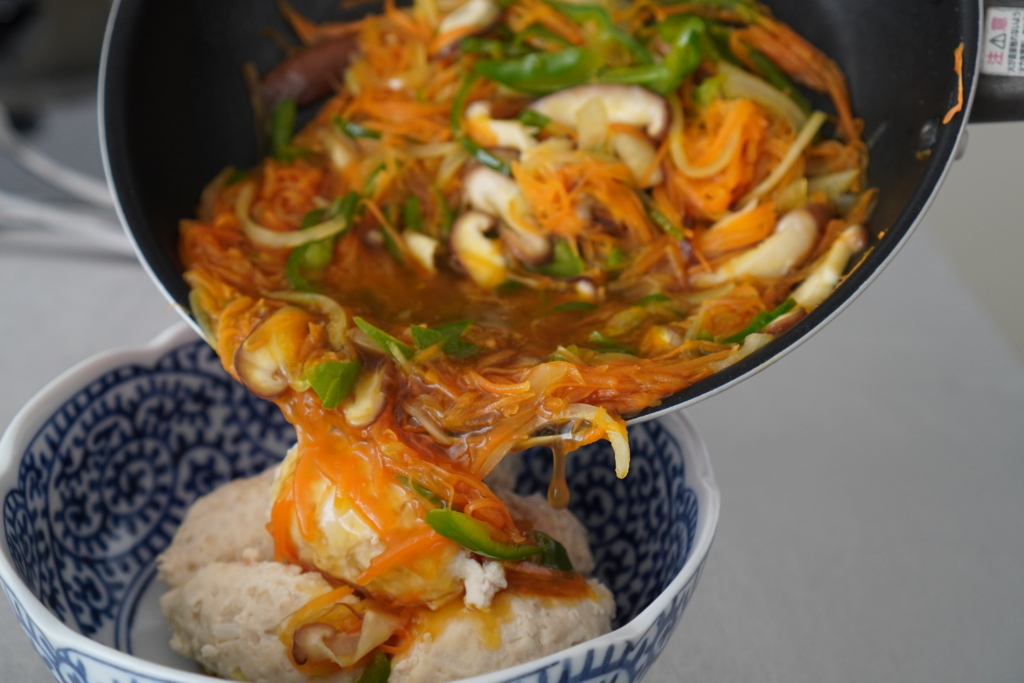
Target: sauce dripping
[(558, 489)]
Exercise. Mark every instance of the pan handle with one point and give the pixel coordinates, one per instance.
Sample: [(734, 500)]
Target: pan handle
[(1000, 95)]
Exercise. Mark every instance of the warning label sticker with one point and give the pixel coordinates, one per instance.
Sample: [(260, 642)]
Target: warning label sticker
[(1004, 40)]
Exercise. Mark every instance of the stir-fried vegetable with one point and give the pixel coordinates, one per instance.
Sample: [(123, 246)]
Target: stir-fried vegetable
[(555, 215)]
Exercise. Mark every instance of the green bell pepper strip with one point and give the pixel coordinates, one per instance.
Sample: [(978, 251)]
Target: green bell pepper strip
[(564, 264), (422, 491), (473, 536), (774, 75), (662, 221), (378, 671), (282, 126), (554, 554), (607, 33), (446, 335), (316, 255), (540, 73), (760, 321), (607, 344), (455, 121), (533, 119), (333, 381), (385, 341), (685, 35)]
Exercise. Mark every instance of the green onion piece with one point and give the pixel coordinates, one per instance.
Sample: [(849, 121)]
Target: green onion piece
[(760, 321), (709, 90), (412, 214), (391, 245), (378, 670), (332, 381), (565, 263), (704, 335), (474, 537), (606, 343), (355, 130), (382, 339), (654, 299), (448, 336), (662, 221), (534, 119), (554, 555), (575, 306), (422, 491), (316, 255)]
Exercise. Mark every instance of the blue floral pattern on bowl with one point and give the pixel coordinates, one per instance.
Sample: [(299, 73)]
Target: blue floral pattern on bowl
[(104, 483)]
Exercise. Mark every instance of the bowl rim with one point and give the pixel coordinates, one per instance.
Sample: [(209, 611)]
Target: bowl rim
[(39, 410)]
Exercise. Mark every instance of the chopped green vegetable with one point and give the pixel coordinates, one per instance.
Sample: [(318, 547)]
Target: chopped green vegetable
[(422, 491), (448, 336), (378, 670), (760, 321), (662, 221), (332, 381), (355, 130), (704, 335), (412, 214), (446, 214), (654, 299), (685, 35), (385, 341), (565, 263), (282, 126), (316, 255), (709, 90), (540, 73), (574, 306), (391, 245), (488, 47), (534, 119), (605, 34), (473, 536), (606, 343), (554, 555)]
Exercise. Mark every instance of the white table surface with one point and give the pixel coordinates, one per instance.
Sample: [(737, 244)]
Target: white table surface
[(872, 522)]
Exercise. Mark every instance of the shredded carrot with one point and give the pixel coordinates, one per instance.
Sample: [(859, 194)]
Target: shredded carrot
[(737, 232), (958, 67), (420, 544)]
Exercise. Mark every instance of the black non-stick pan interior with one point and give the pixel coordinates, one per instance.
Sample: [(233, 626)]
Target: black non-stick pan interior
[(176, 111)]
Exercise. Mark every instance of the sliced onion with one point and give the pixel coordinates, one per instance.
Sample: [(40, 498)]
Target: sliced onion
[(833, 184), (265, 237), (807, 134), (337, 319), (451, 164), (737, 83), (678, 152), (614, 431), (752, 343), (377, 628)]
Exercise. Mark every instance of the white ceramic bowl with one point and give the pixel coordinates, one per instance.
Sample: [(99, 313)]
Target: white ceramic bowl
[(98, 469)]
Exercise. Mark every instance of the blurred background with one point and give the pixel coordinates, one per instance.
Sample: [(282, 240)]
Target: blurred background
[(871, 518)]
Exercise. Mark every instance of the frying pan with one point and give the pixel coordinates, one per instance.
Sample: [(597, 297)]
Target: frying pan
[(174, 111)]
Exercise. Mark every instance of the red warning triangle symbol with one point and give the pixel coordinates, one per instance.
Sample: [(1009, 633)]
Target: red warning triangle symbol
[(999, 41)]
